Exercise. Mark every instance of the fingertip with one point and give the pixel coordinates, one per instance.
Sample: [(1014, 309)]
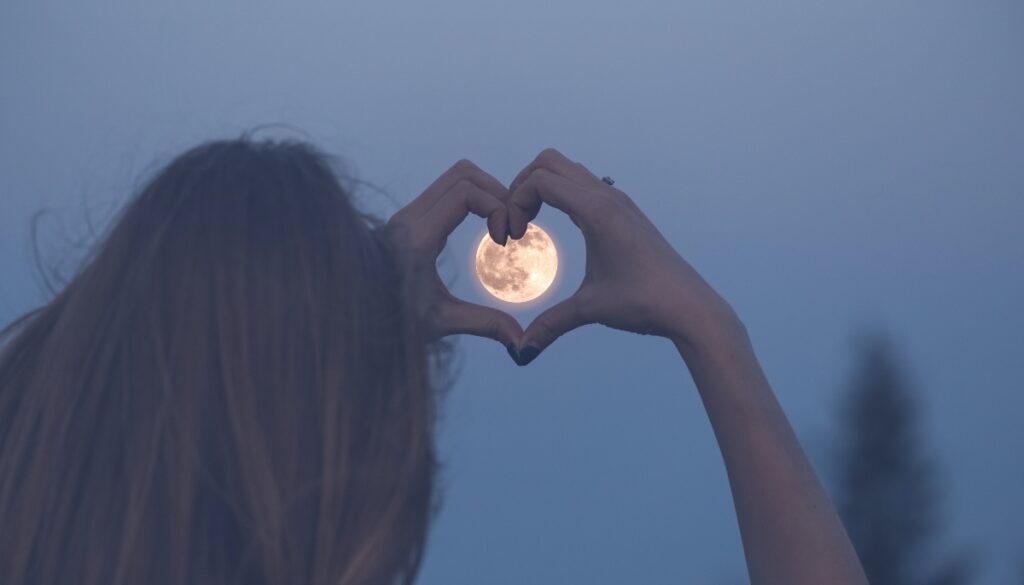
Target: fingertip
[(517, 224), (529, 340), (527, 355), (509, 329), (523, 356), (502, 233), (497, 227)]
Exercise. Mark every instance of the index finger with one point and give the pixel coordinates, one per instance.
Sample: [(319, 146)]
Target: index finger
[(461, 170), (555, 161), (462, 199), (543, 185)]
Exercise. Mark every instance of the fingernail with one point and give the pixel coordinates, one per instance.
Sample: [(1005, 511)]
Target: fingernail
[(527, 355), (512, 352)]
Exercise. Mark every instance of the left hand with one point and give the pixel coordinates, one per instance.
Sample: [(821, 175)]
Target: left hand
[(419, 231)]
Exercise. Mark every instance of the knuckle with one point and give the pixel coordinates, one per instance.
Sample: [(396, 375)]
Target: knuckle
[(460, 187), (548, 156), (464, 166), (536, 175)]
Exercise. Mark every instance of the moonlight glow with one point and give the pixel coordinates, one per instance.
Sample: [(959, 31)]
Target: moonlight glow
[(521, 270)]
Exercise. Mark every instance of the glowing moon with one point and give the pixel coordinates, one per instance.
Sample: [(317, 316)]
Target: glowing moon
[(521, 270)]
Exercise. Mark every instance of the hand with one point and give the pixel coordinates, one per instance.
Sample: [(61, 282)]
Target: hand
[(418, 232), (634, 280)]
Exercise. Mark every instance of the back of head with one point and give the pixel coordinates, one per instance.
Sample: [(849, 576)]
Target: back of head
[(229, 391)]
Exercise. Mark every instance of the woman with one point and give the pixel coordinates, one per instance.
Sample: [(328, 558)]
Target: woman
[(236, 386)]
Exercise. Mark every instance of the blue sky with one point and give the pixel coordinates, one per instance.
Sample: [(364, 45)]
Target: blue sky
[(829, 167)]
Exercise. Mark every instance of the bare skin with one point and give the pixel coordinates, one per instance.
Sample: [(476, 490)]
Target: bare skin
[(417, 234), (635, 281)]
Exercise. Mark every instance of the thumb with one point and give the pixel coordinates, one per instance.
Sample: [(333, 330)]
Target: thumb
[(547, 327), (461, 317)]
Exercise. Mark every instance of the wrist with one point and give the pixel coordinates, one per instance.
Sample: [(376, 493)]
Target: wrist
[(710, 330)]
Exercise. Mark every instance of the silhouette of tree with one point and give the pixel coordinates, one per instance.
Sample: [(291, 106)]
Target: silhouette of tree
[(887, 493)]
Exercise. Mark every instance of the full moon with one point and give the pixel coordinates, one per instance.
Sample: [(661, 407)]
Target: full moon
[(521, 270)]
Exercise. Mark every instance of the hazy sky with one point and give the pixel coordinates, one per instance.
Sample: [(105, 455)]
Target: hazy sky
[(828, 167)]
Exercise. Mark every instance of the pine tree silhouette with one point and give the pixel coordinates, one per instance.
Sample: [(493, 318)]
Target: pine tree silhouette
[(887, 492)]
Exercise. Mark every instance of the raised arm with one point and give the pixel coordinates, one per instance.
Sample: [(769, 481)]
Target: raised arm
[(790, 530)]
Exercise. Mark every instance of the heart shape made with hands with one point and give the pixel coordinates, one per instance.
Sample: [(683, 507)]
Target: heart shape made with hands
[(419, 232)]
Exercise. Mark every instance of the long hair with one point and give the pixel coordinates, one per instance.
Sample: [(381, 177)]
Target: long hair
[(229, 390)]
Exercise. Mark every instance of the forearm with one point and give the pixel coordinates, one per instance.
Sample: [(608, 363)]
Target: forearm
[(790, 530)]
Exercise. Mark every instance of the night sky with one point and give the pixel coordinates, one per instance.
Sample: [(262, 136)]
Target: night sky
[(829, 169)]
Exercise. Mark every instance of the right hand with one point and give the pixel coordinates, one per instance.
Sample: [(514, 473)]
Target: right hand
[(634, 280)]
